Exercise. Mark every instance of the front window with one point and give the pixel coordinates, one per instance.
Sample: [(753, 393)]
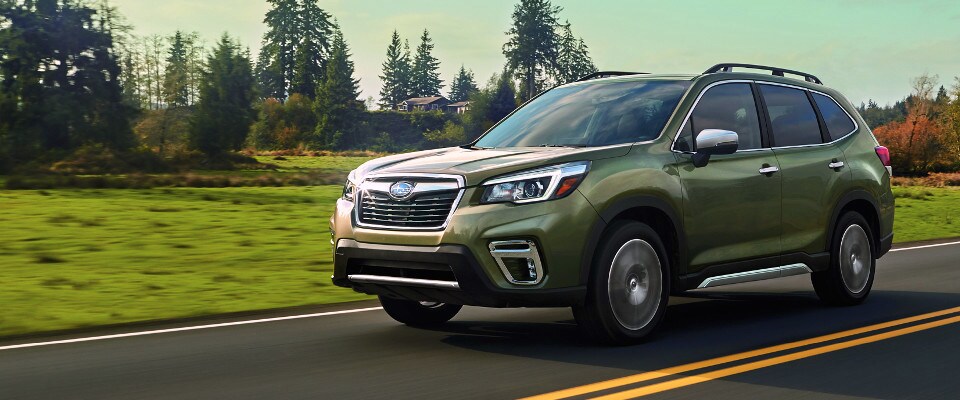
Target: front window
[(593, 114)]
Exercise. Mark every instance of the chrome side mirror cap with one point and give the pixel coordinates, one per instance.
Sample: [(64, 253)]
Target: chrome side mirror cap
[(714, 142)]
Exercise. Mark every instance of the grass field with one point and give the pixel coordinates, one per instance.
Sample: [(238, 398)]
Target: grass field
[(78, 257), (74, 258), (926, 213), (302, 163)]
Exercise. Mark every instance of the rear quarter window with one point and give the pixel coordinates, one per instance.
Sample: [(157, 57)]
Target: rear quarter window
[(838, 122)]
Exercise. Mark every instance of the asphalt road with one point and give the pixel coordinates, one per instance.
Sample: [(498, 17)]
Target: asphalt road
[(485, 353)]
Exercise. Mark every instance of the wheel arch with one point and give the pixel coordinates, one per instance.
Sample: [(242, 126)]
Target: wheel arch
[(651, 210), (861, 202)]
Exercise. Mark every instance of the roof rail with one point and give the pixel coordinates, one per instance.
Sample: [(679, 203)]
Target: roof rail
[(728, 67), (605, 74)]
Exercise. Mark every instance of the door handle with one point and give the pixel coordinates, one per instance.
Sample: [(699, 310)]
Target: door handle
[(768, 170), (835, 164)]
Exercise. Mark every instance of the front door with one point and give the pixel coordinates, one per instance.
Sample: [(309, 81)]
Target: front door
[(731, 206)]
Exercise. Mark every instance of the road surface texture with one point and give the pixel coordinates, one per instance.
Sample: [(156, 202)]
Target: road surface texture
[(904, 342)]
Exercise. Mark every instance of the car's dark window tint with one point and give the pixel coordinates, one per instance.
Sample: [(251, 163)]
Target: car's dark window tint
[(729, 107), (838, 122), (792, 117)]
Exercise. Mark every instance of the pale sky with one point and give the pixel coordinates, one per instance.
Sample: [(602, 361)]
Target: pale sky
[(864, 48)]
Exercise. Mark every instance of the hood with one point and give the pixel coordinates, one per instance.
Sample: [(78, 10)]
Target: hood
[(478, 165)]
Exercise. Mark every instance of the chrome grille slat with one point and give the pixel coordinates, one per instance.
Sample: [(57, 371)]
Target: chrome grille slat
[(423, 210)]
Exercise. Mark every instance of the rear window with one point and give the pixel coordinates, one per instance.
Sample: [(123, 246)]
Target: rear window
[(594, 114), (838, 122), (792, 117)]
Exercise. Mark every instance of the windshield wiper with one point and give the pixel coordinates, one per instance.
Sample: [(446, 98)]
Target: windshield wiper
[(472, 147), (563, 145)]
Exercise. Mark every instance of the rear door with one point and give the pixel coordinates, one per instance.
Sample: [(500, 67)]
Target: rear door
[(731, 211), (811, 167)]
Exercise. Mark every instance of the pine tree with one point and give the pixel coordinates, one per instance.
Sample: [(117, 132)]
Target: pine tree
[(295, 48), (425, 78), (312, 52), (573, 57), (463, 85), (275, 69), (531, 49), (396, 79), (503, 100), (60, 79), (176, 91), (337, 106), (224, 113)]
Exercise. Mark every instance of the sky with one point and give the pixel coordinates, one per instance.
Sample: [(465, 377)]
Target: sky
[(866, 49)]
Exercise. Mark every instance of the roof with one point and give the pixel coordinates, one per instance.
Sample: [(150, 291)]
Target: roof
[(423, 100), (459, 104)]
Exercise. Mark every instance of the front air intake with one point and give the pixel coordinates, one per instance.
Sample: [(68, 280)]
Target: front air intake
[(519, 260)]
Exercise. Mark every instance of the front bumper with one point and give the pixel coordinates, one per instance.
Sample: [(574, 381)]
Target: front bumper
[(468, 284), (562, 230)]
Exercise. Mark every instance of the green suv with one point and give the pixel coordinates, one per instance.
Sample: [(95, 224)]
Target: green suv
[(614, 192)]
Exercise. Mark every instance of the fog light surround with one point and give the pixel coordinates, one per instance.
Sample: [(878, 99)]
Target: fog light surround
[(519, 260)]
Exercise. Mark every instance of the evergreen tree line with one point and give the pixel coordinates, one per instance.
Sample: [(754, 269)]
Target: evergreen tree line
[(73, 75)]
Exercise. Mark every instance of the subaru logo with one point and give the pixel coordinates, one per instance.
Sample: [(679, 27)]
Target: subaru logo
[(401, 190)]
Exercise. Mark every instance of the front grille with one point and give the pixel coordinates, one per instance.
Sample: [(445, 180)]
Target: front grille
[(420, 211)]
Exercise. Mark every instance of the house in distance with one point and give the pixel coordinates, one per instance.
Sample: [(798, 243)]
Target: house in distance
[(424, 104)]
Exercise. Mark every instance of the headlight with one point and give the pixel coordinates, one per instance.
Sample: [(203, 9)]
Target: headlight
[(535, 185), (350, 188)]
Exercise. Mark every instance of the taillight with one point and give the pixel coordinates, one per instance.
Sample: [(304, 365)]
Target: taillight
[(884, 155)]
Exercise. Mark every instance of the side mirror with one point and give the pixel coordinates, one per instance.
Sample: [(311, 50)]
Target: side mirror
[(713, 142)]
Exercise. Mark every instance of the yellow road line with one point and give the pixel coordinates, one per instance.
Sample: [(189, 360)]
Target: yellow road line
[(692, 380), (646, 376)]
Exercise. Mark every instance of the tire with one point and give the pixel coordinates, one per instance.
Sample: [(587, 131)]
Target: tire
[(853, 263), (629, 286), (415, 313)]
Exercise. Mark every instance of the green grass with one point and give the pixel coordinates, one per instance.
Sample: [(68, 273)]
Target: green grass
[(300, 163), (75, 258), (926, 213)]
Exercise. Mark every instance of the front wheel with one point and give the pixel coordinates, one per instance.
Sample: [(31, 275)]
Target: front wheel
[(419, 313), (629, 286), (852, 264)]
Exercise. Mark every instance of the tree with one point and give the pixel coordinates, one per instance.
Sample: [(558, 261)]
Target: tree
[(295, 48), (531, 49), (337, 106), (60, 79), (451, 135), (275, 67), (314, 48), (463, 85), (396, 75), (224, 113), (490, 104), (425, 78), (175, 79), (573, 57)]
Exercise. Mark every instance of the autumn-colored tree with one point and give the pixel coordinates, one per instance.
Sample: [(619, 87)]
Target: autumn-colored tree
[(921, 143)]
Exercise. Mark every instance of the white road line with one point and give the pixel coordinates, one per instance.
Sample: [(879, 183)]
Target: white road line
[(926, 246), (260, 321), (187, 328)]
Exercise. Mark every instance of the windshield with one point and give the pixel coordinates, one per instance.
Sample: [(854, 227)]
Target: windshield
[(596, 114)]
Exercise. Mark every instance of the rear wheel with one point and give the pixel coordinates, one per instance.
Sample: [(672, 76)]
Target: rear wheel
[(419, 313), (852, 263), (629, 286)]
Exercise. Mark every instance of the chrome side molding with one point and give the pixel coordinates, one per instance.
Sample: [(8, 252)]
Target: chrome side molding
[(395, 280), (757, 275)]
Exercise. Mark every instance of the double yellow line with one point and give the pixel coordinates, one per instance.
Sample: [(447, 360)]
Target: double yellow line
[(750, 366)]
